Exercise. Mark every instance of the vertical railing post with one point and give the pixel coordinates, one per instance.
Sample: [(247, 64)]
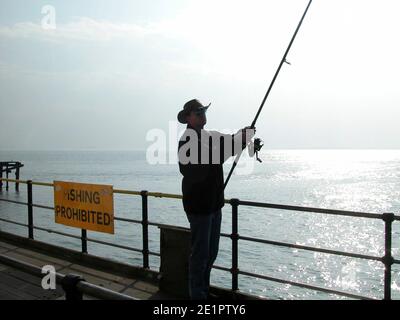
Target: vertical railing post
[(84, 241), (70, 285), (235, 237), (145, 229), (17, 177), (7, 177), (30, 209), (387, 259), (1, 176)]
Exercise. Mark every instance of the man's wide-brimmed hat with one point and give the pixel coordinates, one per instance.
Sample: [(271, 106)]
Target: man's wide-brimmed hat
[(192, 105)]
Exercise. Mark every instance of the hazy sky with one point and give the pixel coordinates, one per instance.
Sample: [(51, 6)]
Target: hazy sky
[(113, 70)]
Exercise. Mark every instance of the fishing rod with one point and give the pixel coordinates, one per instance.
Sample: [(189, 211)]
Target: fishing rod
[(257, 144)]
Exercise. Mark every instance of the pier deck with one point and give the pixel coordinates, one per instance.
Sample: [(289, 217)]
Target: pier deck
[(20, 285)]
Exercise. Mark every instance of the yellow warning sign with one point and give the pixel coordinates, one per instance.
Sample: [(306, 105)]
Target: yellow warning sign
[(85, 206)]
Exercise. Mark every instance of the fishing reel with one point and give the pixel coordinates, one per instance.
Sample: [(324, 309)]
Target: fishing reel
[(255, 147)]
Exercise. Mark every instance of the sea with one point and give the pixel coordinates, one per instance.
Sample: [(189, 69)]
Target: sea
[(357, 180)]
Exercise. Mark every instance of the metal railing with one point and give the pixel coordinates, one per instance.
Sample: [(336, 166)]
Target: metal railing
[(387, 259)]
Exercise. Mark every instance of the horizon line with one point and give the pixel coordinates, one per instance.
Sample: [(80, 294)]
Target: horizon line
[(134, 149)]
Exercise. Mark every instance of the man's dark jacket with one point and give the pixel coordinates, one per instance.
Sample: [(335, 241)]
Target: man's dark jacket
[(203, 183)]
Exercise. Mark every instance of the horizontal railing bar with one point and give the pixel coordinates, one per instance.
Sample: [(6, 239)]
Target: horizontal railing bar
[(14, 180), (396, 261), (115, 218), (311, 209), (128, 220), (42, 206), (26, 203), (57, 232), (314, 249), (120, 191), (306, 286), (91, 289), (114, 245), (13, 201), (153, 253), (88, 239), (155, 224), (221, 268), (52, 208), (37, 183), (14, 222), (45, 184), (92, 240), (164, 195), (136, 193)]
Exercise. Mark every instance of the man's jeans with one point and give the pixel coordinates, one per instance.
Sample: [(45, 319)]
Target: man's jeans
[(205, 230)]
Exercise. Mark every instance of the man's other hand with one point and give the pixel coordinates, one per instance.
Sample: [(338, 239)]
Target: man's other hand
[(247, 134)]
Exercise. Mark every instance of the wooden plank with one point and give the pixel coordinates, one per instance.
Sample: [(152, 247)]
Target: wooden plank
[(7, 245), (3, 267), (15, 287), (24, 285), (45, 258), (34, 285), (102, 275), (20, 276), (10, 294), (35, 261)]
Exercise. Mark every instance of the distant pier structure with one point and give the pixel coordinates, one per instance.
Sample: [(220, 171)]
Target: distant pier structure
[(8, 167)]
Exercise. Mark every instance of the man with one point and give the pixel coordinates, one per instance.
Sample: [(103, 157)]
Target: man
[(201, 154)]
